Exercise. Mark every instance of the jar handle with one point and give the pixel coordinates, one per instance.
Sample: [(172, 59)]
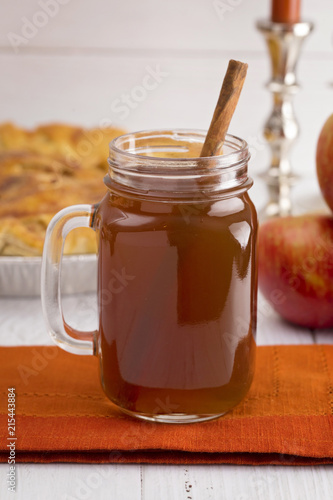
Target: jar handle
[(69, 339)]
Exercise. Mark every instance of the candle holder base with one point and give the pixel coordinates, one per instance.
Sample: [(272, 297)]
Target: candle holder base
[(279, 190)]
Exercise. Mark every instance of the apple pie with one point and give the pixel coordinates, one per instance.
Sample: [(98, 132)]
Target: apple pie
[(43, 171)]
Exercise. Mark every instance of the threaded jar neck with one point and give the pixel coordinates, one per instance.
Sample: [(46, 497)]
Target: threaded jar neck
[(167, 163)]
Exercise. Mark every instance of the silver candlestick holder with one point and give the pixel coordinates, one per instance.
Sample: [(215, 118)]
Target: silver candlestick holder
[(284, 43)]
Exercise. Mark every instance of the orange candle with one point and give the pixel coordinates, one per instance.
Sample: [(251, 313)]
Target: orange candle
[(286, 11)]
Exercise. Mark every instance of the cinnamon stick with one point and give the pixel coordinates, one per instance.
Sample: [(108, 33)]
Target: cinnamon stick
[(225, 107)]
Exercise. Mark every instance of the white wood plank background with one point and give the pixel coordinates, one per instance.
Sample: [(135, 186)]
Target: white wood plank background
[(87, 89), (76, 68), (91, 53), (189, 25)]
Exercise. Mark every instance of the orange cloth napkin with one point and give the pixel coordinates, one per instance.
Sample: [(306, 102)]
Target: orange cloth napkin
[(62, 414)]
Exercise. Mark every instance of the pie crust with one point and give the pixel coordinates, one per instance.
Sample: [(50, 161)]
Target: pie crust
[(43, 171)]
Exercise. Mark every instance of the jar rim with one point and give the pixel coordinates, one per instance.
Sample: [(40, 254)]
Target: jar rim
[(179, 176), (240, 154)]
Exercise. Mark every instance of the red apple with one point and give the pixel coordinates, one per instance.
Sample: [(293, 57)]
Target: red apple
[(324, 159), (296, 268)]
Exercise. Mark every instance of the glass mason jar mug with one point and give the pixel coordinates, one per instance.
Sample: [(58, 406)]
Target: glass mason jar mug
[(177, 278)]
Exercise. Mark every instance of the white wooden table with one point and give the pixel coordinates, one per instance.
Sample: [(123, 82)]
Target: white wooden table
[(75, 67), (21, 323)]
